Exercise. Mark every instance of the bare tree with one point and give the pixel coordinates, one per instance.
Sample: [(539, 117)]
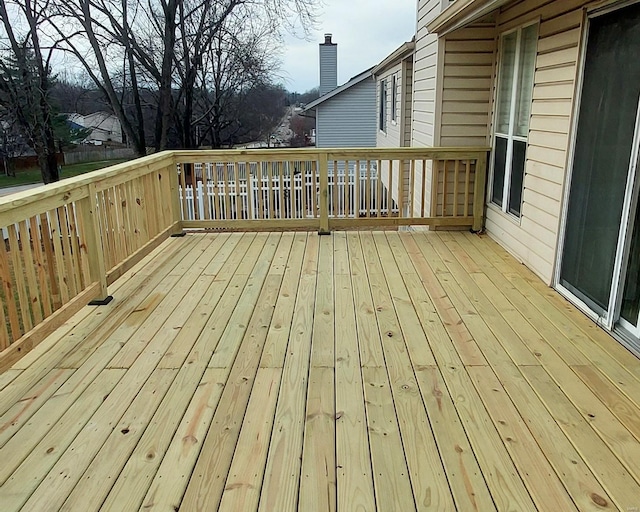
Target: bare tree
[(25, 79), (170, 47)]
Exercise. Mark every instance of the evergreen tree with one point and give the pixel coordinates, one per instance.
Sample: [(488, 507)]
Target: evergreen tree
[(25, 82)]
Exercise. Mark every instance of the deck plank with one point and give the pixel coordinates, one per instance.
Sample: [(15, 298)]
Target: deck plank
[(282, 474), (611, 473), (94, 485), (505, 485), (207, 483), (359, 371), (353, 458), (318, 471), (242, 487), (168, 485), (428, 481), (545, 487), (34, 467)]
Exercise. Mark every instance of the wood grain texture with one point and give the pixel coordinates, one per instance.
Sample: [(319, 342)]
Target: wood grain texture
[(358, 371)]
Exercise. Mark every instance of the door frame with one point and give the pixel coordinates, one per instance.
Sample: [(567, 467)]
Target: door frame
[(609, 319)]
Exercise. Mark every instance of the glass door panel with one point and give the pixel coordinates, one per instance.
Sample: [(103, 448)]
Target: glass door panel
[(603, 149)]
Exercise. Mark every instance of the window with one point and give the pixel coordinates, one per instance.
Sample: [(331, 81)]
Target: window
[(394, 98), (513, 110), (382, 122)]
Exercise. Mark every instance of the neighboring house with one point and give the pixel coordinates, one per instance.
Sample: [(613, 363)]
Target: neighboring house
[(394, 85), (553, 87), (394, 79), (345, 115), (104, 127)]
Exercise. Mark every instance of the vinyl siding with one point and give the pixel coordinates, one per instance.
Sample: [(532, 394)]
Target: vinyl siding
[(328, 68), (468, 69), (392, 137), (424, 77), (534, 238), (349, 118), (398, 131)]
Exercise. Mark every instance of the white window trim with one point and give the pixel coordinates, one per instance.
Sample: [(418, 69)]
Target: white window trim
[(504, 208), (382, 107), (394, 99)]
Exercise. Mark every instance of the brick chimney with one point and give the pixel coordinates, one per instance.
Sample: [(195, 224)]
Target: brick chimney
[(328, 65)]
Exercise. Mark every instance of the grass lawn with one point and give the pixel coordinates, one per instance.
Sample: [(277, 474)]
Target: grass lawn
[(29, 176)]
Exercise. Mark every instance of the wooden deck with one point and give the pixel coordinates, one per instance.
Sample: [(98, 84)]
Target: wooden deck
[(355, 372)]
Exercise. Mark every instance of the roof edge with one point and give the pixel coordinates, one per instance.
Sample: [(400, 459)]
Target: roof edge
[(462, 13), (396, 56), (355, 80)]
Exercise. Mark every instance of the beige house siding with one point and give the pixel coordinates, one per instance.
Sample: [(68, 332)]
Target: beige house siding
[(398, 130), (533, 238), (425, 76), (465, 111), (392, 137), (407, 106)]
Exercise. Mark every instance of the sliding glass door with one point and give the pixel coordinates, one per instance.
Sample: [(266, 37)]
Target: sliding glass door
[(600, 262)]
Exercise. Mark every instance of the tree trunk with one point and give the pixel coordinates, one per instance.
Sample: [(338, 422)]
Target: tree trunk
[(163, 117)]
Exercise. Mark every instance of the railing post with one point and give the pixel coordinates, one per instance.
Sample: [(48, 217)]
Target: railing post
[(324, 194), (175, 197), (478, 192), (93, 242)]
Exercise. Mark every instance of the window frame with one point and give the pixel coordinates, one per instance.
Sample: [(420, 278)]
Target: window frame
[(394, 99), (511, 136), (382, 107)]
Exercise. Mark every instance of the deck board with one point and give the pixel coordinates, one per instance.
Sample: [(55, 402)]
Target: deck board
[(357, 371)]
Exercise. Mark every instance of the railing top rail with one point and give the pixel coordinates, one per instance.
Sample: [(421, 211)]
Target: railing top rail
[(305, 154), (75, 188)]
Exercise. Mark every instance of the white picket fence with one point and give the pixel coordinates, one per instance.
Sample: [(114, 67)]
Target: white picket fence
[(292, 197)]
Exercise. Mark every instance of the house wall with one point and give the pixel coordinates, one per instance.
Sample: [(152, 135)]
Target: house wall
[(349, 119), (534, 237), (397, 133), (425, 74), (407, 103), (467, 84), (425, 77), (393, 137)]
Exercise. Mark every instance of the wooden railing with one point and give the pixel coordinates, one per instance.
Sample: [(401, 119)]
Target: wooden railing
[(64, 244), (329, 189)]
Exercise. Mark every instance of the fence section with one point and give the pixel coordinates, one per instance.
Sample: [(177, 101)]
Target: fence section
[(62, 244), (331, 189)]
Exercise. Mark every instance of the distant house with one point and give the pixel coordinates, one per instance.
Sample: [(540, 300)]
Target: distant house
[(345, 115), (394, 85), (553, 88), (104, 127)]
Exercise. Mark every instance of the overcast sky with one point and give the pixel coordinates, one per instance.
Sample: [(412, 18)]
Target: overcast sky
[(366, 31)]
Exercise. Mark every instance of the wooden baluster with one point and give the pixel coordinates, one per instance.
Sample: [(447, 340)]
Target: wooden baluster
[(390, 191), (280, 169), (18, 278), (47, 239), (379, 200), (7, 286), (456, 177), (368, 189), (467, 186), (271, 198), (412, 188), (445, 177), (237, 194), (423, 201), (227, 192), (40, 266), (478, 192), (401, 171), (93, 241), (323, 196)]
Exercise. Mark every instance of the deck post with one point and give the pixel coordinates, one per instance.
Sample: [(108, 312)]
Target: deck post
[(93, 243), (324, 194), (478, 192), (174, 199)]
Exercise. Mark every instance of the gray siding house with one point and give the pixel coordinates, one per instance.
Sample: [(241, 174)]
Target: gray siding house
[(345, 115)]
